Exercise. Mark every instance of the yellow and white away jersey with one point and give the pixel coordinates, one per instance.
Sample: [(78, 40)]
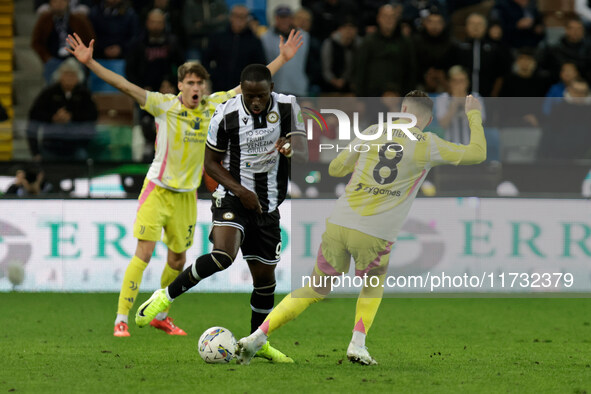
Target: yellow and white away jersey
[(387, 175), (181, 133)]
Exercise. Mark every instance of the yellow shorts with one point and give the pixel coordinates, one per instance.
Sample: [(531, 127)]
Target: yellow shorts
[(175, 212), (339, 244)]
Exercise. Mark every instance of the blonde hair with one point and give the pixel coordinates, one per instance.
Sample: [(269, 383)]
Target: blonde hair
[(456, 70)]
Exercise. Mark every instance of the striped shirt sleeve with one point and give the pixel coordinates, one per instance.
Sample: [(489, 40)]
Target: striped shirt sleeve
[(217, 136), (297, 119)]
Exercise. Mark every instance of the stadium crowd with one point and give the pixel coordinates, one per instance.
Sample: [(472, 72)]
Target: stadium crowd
[(370, 48)]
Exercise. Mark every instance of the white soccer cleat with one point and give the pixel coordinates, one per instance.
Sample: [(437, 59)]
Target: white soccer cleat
[(360, 355), (246, 349)]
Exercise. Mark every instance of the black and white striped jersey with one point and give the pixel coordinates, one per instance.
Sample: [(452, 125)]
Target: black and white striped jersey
[(249, 143)]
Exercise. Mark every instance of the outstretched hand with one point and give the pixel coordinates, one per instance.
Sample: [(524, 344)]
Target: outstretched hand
[(288, 49), (77, 48), (472, 103)]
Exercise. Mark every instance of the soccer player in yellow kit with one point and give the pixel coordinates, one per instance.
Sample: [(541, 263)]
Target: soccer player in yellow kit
[(168, 197), (369, 215)]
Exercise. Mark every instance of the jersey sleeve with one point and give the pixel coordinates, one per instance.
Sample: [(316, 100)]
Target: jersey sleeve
[(220, 97), (217, 137), (155, 102), (441, 151), (297, 119), (345, 162)]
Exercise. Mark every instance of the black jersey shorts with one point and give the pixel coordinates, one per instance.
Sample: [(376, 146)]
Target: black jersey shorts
[(261, 233)]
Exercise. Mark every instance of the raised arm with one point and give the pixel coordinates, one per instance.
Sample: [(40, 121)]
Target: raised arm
[(344, 163), (287, 51), (84, 55), (445, 152)]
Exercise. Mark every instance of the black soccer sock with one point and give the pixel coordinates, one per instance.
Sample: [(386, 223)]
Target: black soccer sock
[(203, 267), (262, 300)]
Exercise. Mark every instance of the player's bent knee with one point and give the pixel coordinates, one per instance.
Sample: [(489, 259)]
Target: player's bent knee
[(209, 264), (222, 259)]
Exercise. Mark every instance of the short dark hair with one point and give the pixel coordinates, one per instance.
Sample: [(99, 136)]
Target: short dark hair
[(256, 73), (189, 68), (418, 99)]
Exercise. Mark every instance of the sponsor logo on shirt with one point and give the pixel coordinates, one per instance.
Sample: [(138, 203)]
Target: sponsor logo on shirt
[(376, 190)]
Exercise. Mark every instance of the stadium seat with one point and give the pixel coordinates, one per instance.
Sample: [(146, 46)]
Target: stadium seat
[(519, 144)]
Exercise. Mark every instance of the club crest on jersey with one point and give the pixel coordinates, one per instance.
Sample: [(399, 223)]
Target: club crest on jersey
[(228, 215), (196, 124), (272, 117)]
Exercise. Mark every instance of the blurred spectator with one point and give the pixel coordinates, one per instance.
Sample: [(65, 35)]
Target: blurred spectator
[(292, 78), (29, 182), (147, 122), (449, 107), (521, 22), (433, 47), (451, 115), (459, 10), (258, 9), (232, 50), (202, 18), (302, 20), (568, 73), (154, 59), (116, 25), (327, 14), (385, 57), (76, 6), (562, 137), (154, 55), (572, 48), (525, 80), (415, 11), (292, 4), (338, 57), (173, 17), (504, 52), (369, 12), (66, 114), (481, 58), (50, 32)]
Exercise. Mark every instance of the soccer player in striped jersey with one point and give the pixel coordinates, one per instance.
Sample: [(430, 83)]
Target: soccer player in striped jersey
[(168, 198), (369, 215), (249, 141)]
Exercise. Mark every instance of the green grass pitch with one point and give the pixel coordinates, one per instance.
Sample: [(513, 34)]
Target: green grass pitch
[(63, 343)]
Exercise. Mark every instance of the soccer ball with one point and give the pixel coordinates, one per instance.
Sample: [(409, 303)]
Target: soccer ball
[(217, 345)]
